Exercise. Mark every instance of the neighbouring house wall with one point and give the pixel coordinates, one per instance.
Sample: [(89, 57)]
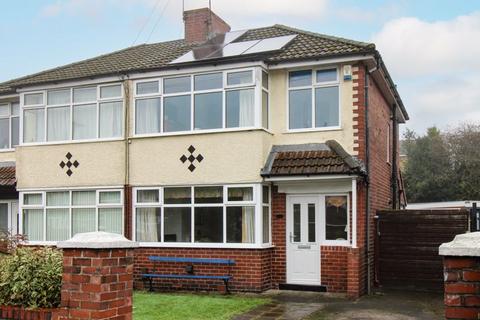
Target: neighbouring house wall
[(279, 115), (100, 164)]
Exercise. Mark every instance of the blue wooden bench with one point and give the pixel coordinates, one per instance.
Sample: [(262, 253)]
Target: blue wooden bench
[(189, 269)]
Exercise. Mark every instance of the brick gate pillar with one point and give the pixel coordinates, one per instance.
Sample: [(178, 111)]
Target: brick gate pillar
[(97, 277), (461, 263)]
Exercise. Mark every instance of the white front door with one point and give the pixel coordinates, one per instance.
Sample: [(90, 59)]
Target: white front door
[(303, 240)]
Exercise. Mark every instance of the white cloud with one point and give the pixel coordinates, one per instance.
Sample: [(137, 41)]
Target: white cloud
[(413, 47)]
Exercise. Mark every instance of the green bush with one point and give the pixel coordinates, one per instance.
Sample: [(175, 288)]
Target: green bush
[(31, 278)]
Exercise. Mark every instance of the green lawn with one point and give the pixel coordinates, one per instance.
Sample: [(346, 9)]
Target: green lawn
[(172, 306)]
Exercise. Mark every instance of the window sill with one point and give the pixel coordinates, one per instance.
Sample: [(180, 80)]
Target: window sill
[(334, 243), (205, 245), (53, 143), (7, 150), (199, 132), (313, 130)]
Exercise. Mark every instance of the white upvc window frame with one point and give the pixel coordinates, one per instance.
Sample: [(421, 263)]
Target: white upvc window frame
[(256, 203), (45, 106), (43, 206), (339, 243), (256, 85), (10, 118), (314, 85)]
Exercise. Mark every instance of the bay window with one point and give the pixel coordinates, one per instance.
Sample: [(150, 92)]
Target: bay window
[(202, 215), (314, 101), (59, 215), (211, 101), (82, 113), (9, 125)]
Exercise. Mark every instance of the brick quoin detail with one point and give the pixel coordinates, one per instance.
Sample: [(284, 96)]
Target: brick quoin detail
[(462, 287), (97, 284)]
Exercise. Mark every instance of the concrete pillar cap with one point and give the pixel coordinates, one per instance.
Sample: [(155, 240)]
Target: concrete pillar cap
[(467, 244), (97, 240)]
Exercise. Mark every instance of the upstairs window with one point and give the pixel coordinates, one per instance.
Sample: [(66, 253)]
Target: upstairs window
[(83, 113), (314, 99), (210, 101), (9, 125)]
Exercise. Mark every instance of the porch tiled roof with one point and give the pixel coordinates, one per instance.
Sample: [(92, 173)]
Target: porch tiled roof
[(311, 159), (148, 57), (7, 176)]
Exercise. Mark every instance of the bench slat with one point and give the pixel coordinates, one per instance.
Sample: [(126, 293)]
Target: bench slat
[(192, 260), (179, 276)]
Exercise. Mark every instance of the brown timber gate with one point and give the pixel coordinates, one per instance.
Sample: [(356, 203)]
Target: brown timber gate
[(407, 246)]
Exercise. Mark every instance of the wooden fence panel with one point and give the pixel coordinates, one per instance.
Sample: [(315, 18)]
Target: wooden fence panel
[(407, 246)]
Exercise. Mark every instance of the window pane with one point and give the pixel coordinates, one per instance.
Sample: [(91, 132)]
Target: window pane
[(176, 113), (237, 78), (33, 224), (58, 97), (114, 91), (240, 108), (327, 75), (149, 224), (15, 109), (209, 224), (110, 197), (300, 78), (4, 227), (4, 110), (148, 196), (265, 111), (147, 87), (240, 194), (178, 225), (326, 107), (241, 224), (209, 81), (311, 222), (33, 99), (111, 115), (266, 224), (34, 125), (147, 116), (4, 133), (85, 122), (88, 94), (15, 131), (336, 218), (57, 199), (84, 198), (208, 194), (265, 80), (297, 236), (300, 109), (208, 110), (32, 199), (83, 220), (177, 195), (58, 126), (266, 194), (174, 85), (57, 224), (110, 220)]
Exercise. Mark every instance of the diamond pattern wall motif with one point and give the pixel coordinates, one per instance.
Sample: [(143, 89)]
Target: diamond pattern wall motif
[(191, 157), (69, 164)]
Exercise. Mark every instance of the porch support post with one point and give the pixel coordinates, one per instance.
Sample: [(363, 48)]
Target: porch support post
[(354, 213)]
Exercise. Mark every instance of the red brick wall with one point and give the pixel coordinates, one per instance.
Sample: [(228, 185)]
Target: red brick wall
[(13, 312), (251, 272), (196, 25), (462, 283)]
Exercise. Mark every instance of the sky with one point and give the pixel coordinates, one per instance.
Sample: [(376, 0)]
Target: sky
[(431, 47)]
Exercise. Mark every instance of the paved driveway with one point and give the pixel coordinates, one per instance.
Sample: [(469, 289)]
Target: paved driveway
[(389, 305)]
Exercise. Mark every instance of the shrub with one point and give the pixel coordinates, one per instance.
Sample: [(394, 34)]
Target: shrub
[(31, 278)]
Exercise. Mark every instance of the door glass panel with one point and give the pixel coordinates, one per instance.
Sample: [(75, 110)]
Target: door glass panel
[(3, 217), (311, 222), (296, 223)]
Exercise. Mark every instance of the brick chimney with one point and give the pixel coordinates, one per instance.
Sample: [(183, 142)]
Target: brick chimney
[(203, 24)]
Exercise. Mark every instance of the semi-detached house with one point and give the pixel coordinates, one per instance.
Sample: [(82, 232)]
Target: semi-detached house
[(270, 146)]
